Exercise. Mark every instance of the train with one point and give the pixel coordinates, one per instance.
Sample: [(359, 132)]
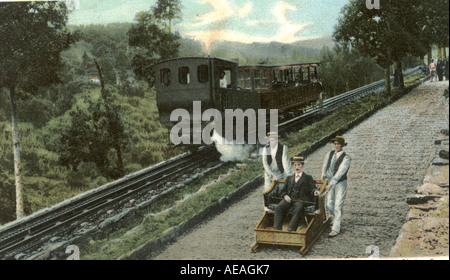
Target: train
[(196, 85)]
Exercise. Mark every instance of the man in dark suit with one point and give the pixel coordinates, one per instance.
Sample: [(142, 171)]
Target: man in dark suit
[(299, 191)]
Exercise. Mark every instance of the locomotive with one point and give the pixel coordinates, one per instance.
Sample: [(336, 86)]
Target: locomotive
[(189, 87)]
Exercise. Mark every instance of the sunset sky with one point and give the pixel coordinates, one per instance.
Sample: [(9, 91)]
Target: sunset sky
[(247, 21)]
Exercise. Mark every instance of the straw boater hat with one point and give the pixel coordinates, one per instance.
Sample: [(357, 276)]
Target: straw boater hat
[(272, 135), (340, 140), (297, 159)]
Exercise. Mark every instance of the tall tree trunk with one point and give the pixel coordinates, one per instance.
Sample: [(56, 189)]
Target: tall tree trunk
[(400, 75), (443, 53), (16, 149), (387, 79), (430, 55), (422, 60), (120, 168)]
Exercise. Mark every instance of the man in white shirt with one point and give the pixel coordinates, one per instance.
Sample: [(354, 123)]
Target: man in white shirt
[(223, 80), (334, 170), (275, 160)]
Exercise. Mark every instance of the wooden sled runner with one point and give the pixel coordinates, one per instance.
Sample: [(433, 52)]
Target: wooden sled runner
[(308, 230)]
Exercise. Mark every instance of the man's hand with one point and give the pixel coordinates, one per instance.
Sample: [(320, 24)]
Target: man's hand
[(274, 178), (287, 198)]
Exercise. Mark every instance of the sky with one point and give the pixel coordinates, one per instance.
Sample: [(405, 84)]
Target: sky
[(246, 21)]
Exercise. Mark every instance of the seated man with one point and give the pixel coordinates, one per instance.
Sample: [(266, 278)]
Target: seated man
[(300, 190)]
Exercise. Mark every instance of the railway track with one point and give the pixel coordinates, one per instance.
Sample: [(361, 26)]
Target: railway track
[(36, 229), (32, 231), (331, 104)]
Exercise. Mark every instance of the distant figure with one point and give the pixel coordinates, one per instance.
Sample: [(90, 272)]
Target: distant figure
[(432, 68), (222, 80), (446, 68)]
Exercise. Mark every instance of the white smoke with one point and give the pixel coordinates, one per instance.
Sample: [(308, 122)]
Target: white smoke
[(230, 151)]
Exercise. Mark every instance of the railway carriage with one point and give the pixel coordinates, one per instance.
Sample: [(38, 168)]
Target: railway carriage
[(285, 87)]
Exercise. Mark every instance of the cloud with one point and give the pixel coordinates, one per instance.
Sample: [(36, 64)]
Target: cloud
[(287, 32), (222, 10), (286, 29)]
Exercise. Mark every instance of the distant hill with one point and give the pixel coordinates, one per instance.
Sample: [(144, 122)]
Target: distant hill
[(308, 50)]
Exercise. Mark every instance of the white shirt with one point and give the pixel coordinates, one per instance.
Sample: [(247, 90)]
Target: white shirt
[(300, 175), (273, 151), (345, 165), (223, 82)]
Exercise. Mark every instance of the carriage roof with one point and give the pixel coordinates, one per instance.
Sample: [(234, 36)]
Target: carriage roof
[(234, 61)]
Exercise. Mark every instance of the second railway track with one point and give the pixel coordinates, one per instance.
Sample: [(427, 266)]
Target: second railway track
[(32, 231)]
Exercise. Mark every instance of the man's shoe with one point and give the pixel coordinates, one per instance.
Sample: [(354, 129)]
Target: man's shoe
[(333, 233)]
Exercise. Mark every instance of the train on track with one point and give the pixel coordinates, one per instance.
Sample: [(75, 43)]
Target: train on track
[(195, 85)]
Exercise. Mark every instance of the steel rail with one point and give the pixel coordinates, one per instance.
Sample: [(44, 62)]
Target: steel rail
[(32, 230), (331, 104)]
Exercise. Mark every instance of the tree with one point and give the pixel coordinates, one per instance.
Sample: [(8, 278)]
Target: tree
[(109, 45), (33, 35), (343, 69), (167, 10), (96, 134), (152, 38), (394, 30), (369, 32)]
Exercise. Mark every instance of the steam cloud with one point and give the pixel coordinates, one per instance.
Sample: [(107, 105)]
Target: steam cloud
[(230, 152)]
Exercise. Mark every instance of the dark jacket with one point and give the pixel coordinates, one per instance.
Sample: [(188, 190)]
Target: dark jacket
[(302, 190)]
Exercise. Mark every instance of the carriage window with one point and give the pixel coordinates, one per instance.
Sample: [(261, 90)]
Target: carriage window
[(257, 78), (265, 78), (306, 75), (183, 75), (245, 79), (165, 76), (277, 78), (298, 76), (261, 78), (202, 73)]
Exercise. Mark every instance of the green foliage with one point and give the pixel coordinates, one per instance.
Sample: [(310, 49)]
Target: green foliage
[(7, 198), (36, 34), (108, 45), (152, 40), (94, 136), (167, 10), (344, 69), (399, 28)]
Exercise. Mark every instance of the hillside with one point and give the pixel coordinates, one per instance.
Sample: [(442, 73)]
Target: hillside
[(260, 52)]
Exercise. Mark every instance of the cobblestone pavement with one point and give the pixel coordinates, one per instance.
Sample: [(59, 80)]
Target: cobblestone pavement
[(390, 152)]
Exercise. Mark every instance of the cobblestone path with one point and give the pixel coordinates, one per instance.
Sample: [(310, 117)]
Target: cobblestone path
[(390, 152)]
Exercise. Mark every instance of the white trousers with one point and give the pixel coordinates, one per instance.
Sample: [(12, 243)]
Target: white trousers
[(334, 201)]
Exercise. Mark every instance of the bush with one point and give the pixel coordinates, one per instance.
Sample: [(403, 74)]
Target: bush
[(7, 198)]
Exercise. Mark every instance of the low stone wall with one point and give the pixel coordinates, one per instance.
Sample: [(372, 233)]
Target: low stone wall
[(426, 232)]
